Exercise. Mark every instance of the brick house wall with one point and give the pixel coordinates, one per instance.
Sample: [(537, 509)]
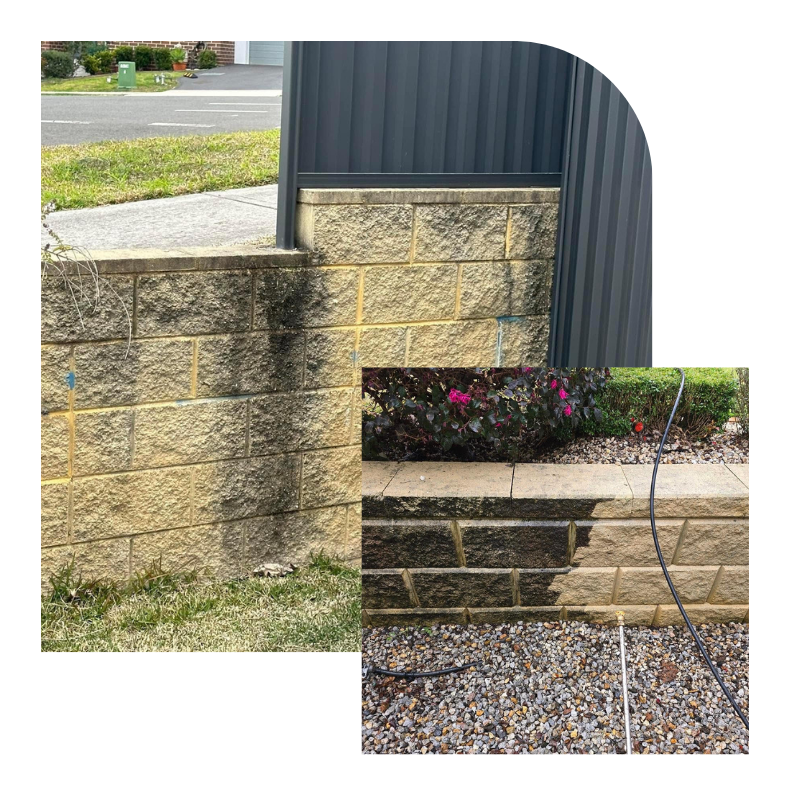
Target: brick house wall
[(224, 50)]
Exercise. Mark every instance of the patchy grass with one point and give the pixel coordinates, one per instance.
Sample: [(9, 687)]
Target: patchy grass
[(317, 608), (145, 82), (103, 173)]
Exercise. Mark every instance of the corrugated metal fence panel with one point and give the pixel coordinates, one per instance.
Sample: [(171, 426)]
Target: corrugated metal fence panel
[(602, 302), (432, 107)]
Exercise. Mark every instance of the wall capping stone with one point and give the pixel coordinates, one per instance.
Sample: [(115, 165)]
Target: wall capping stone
[(421, 196)]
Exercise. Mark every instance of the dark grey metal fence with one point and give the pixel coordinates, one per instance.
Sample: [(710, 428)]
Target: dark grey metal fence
[(602, 295), (492, 114)]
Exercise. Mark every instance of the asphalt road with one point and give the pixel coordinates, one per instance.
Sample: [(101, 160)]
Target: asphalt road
[(72, 119)]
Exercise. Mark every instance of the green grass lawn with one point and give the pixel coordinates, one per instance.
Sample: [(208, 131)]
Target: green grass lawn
[(101, 173), (317, 608), (145, 82)]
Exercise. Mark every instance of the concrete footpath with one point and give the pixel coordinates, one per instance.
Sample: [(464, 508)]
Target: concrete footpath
[(210, 219)]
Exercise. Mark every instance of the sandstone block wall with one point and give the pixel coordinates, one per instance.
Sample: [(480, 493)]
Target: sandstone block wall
[(445, 277), (229, 433), (447, 542)]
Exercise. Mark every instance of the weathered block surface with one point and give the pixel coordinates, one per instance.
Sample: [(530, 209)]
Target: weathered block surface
[(55, 447), (533, 231), (715, 541), (249, 363), (384, 347), (453, 344), (407, 543), (384, 588), (515, 543), (462, 587), (55, 378), (460, 233), (331, 476), (646, 585), (187, 303), (505, 288), (403, 294), (330, 360), (103, 442), (55, 513), (607, 543)]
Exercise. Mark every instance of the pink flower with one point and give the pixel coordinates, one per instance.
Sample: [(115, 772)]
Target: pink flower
[(554, 384), (562, 394), (458, 397), (567, 411), (527, 369)]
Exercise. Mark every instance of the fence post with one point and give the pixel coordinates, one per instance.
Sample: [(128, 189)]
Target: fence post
[(290, 134)]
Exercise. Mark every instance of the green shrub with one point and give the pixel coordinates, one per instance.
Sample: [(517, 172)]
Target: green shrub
[(123, 53), (647, 396), (423, 413), (178, 55), (162, 58), (57, 64), (91, 64), (105, 60), (207, 59), (143, 56)]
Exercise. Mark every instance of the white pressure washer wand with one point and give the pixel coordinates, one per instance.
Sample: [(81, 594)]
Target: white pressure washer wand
[(621, 623)]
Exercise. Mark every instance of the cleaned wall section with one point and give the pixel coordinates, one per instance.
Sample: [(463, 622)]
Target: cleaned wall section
[(447, 277), (227, 436), (452, 542)]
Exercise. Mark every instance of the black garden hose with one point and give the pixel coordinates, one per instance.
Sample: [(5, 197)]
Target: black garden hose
[(711, 666), (411, 675)]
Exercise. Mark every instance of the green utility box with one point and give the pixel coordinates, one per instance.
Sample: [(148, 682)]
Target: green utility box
[(126, 77)]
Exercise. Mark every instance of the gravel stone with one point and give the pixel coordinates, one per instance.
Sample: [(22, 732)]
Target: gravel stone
[(554, 688)]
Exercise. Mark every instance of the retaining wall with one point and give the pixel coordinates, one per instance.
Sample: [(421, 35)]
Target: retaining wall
[(458, 543), (226, 437), (447, 278)]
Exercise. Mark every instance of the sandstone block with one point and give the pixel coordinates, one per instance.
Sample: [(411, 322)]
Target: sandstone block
[(249, 363), (570, 491), (455, 232), (533, 231), (357, 234), (185, 433), (715, 541), (295, 537), (453, 344), (107, 560), (384, 588), (213, 550), (55, 378), (113, 374), (646, 585), (505, 288), (585, 586), (331, 476), (409, 294), (523, 340), (103, 442), (55, 513), (132, 502), (249, 487), (449, 490), (305, 298), (310, 420), (330, 358), (733, 587), (688, 490), (353, 542), (55, 447), (479, 588), (624, 542), (404, 617), (408, 543), (191, 303), (700, 614), (62, 322), (515, 543), (497, 616), (606, 615), (385, 347)]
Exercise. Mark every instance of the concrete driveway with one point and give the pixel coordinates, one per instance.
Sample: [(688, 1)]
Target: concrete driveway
[(231, 98)]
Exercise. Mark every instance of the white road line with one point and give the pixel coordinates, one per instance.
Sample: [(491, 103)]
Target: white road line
[(220, 111), (181, 125), (65, 122)]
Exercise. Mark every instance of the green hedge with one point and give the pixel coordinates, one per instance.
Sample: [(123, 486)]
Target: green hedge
[(647, 396)]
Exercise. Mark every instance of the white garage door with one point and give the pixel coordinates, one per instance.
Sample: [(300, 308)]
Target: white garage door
[(270, 53)]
